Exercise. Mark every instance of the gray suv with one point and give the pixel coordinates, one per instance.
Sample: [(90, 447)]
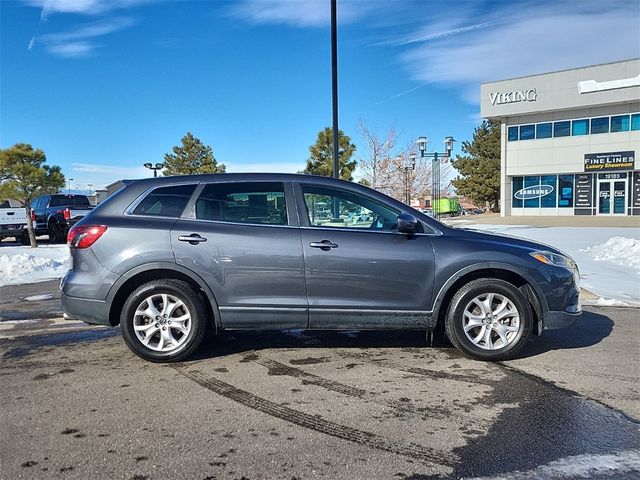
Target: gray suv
[(169, 259)]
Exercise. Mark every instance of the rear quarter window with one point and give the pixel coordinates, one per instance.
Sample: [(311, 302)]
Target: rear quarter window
[(165, 201)]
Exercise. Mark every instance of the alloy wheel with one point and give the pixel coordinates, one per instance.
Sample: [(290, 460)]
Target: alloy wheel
[(162, 322), (491, 321)]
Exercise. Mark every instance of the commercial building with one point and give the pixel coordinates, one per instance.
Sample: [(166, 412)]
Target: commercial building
[(569, 140)]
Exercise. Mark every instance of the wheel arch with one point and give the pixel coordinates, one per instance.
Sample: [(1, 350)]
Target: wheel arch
[(137, 276), (506, 272)]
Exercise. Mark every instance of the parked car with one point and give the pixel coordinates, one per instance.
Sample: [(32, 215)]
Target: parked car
[(13, 220), (170, 258), (53, 215)]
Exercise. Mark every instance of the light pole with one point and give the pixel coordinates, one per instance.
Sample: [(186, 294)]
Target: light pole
[(69, 188), (158, 166), (89, 185), (407, 167), (334, 86), (435, 168)]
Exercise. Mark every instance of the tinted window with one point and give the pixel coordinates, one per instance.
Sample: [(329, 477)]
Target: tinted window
[(561, 129), (543, 130), (527, 132), (620, 123), (548, 200), (327, 207), (600, 125), (513, 133), (532, 182), (165, 201), (635, 121), (257, 202), (565, 191), (517, 185), (69, 201), (580, 127)]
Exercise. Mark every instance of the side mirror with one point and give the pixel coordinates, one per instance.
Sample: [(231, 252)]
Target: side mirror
[(407, 223)]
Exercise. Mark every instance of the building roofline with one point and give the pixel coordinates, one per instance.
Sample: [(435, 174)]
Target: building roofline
[(561, 71)]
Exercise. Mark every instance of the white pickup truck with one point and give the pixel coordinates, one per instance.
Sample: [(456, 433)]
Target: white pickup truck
[(13, 220)]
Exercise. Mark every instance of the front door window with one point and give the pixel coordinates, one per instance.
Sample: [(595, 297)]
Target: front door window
[(612, 197)]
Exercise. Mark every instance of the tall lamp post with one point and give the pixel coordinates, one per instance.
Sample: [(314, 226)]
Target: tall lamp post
[(436, 157), (69, 188), (155, 168), (407, 167)]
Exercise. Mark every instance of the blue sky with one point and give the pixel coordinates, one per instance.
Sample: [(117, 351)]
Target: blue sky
[(104, 86)]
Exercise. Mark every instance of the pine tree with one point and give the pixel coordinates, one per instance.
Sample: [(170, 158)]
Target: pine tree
[(191, 158), (320, 162), (479, 169)]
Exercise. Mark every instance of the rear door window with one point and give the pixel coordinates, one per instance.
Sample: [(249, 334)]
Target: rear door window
[(165, 201), (260, 203)]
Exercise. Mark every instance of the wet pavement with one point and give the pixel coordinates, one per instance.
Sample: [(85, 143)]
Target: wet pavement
[(295, 405)]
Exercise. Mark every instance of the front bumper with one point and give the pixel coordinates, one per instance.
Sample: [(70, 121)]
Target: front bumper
[(91, 311), (554, 320)]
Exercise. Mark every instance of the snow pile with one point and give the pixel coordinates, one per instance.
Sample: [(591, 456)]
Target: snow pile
[(19, 265), (620, 250), (610, 302)]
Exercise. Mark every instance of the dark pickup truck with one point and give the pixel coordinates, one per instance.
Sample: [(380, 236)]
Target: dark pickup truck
[(53, 215)]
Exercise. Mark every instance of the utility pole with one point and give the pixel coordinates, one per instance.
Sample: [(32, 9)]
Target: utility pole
[(334, 87)]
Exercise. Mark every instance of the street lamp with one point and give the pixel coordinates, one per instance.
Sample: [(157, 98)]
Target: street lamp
[(158, 166), (407, 167), (435, 167), (69, 188)]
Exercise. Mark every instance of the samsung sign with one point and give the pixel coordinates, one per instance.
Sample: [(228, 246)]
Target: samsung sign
[(499, 98), (537, 191)]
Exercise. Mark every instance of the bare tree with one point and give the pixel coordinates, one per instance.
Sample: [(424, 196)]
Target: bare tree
[(375, 163)]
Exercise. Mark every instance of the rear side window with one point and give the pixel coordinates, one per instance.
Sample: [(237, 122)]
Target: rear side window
[(165, 201), (252, 202)]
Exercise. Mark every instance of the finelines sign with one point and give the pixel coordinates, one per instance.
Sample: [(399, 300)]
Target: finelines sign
[(609, 161), (500, 98)]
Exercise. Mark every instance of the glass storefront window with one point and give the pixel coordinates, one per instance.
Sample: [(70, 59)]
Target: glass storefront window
[(517, 185), (600, 125), (565, 191), (620, 123), (512, 134), (635, 121), (543, 130), (549, 200), (561, 129), (580, 127), (533, 181), (527, 132)]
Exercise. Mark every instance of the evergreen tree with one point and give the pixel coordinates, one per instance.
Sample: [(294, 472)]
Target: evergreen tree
[(24, 177), (191, 158), (320, 162), (479, 169)]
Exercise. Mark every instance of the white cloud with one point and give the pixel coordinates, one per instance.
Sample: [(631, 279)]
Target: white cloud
[(530, 41), (71, 49), (122, 172), (85, 7), (298, 13)]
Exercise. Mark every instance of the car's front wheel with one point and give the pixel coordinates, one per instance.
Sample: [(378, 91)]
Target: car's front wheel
[(489, 319), (164, 321)]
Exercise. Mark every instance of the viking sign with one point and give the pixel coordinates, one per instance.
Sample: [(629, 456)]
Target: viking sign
[(498, 98), (537, 191)]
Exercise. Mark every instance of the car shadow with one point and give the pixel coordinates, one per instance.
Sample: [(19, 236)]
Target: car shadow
[(590, 329), (237, 342)]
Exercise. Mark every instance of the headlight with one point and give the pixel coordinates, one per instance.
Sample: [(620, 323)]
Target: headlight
[(558, 260)]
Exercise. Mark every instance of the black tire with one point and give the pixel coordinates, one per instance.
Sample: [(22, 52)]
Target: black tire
[(57, 233), (454, 322), (24, 238), (194, 306)]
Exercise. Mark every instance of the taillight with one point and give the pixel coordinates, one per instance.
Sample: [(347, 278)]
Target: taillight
[(33, 215), (67, 214), (83, 236)]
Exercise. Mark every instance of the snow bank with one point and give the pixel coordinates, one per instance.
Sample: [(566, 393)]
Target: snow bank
[(20, 264), (608, 258), (620, 250)]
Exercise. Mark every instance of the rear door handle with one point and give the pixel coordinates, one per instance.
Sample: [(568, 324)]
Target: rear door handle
[(325, 245), (193, 239)]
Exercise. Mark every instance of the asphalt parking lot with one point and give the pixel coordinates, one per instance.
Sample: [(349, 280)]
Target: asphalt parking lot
[(295, 405)]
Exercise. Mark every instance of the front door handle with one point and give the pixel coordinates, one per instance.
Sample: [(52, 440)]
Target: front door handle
[(324, 245), (193, 239)]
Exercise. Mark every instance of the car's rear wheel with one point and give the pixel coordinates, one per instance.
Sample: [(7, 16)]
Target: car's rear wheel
[(489, 319), (57, 233), (164, 321)]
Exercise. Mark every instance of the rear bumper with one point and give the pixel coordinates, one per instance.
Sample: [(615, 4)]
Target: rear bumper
[(554, 320), (95, 312)]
